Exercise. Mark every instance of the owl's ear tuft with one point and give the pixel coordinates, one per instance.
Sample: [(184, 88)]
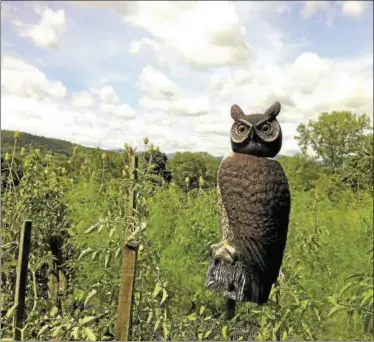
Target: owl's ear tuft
[(274, 110), (236, 112)]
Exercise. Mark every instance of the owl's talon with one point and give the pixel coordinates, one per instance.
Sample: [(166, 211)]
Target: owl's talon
[(224, 251), (216, 246)]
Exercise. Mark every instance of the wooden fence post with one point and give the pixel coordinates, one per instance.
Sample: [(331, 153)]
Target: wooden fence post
[(21, 280), (129, 259)]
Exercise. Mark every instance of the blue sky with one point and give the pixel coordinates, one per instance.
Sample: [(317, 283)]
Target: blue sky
[(106, 73)]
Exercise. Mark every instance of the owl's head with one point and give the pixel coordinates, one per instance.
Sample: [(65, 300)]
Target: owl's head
[(256, 134)]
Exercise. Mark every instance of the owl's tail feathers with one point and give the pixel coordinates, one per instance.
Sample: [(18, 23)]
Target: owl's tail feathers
[(237, 282)]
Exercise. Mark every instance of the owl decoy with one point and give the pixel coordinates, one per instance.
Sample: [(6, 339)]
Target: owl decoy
[(255, 201)]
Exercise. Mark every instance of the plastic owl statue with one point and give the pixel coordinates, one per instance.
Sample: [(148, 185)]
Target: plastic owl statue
[(254, 203)]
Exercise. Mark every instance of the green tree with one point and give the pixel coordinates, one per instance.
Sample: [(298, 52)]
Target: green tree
[(157, 160), (340, 140), (358, 171), (185, 165), (302, 171)]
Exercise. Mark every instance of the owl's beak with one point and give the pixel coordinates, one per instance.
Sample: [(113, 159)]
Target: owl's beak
[(251, 133)]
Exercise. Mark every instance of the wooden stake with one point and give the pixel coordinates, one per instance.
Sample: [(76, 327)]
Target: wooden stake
[(129, 259), (21, 280)]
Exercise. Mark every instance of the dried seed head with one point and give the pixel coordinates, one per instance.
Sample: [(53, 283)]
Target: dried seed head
[(146, 140)]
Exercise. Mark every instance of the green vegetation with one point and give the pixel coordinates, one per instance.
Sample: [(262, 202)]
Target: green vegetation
[(79, 208)]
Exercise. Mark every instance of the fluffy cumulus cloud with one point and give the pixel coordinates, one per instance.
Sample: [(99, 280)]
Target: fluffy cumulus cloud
[(48, 30), (333, 9), (33, 103), (160, 93), (19, 77), (102, 73), (206, 34), (354, 8)]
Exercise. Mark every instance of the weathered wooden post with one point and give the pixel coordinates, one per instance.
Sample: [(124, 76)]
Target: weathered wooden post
[(21, 280), (129, 259)]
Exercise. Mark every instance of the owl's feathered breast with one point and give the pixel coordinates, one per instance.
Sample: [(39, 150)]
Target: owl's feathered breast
[(255, 195)]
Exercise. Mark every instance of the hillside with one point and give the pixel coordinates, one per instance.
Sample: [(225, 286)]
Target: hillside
[(45, 144), (50, 145)]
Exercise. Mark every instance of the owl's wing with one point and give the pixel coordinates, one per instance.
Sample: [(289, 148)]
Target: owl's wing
[(225, 227), (256, 198)]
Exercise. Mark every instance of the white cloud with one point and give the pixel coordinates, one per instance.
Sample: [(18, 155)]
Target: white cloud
[(108, 95), (157, 85), (122, 111), (20, 78), (161, 93), (353, 8), (32, 103), (312, 7), (137, 45), (184, 64), (47, 32), (186, 106), (206, 33), (82, 99), (306, 87), (332, 9)]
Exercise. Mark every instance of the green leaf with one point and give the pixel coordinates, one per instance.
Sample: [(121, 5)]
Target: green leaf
[(75, 333), (202, 309), (84, 252), (157, 324), (331, 299), (149, 317), (112, 232), (304, 303), (200, 336), (90, 334), (334, 310), (87, 319), (192, 317), (307, 330), (107, 258), (224, 332), (345, 288), (89, 297), (164, 296), (43, 329), (54, 311), (117, 252), (156, 290), (166, 331), (207, 334), (94, 254), (354, 275), (368, 295), (90, 229), (284, 335), (11, 311), (56, 331)]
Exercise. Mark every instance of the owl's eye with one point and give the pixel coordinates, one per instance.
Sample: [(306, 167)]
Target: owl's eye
[(266, 128), (241, 129)]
